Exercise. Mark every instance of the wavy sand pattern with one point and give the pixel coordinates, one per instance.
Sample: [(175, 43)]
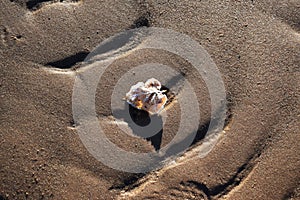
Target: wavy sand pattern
[(255, 46)]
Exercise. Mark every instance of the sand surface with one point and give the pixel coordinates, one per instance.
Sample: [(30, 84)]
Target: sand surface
[(255, 45)]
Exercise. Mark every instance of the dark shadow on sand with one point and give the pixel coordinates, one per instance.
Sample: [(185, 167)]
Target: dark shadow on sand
[(34, 5), (142, 119), (69, 61)]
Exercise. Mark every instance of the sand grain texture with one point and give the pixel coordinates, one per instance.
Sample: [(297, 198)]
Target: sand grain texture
[(255, 46)]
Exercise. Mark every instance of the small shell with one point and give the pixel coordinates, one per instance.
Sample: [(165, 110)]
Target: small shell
[(147, 96)]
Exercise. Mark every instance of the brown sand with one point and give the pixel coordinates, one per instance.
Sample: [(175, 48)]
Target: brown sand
[(255, 46)]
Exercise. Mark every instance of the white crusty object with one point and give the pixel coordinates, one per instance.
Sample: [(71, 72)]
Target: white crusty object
[(147, 96)]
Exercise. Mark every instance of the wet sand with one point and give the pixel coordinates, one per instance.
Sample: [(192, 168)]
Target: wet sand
[(255, 47)]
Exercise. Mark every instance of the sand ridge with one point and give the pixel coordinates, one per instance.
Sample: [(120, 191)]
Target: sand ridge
[(255, 45)]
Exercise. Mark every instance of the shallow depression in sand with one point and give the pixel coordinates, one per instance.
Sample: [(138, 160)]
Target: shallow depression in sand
[(120, 46)]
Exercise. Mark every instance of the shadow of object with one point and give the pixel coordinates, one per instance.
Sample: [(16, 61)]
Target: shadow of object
[(142, 119)]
